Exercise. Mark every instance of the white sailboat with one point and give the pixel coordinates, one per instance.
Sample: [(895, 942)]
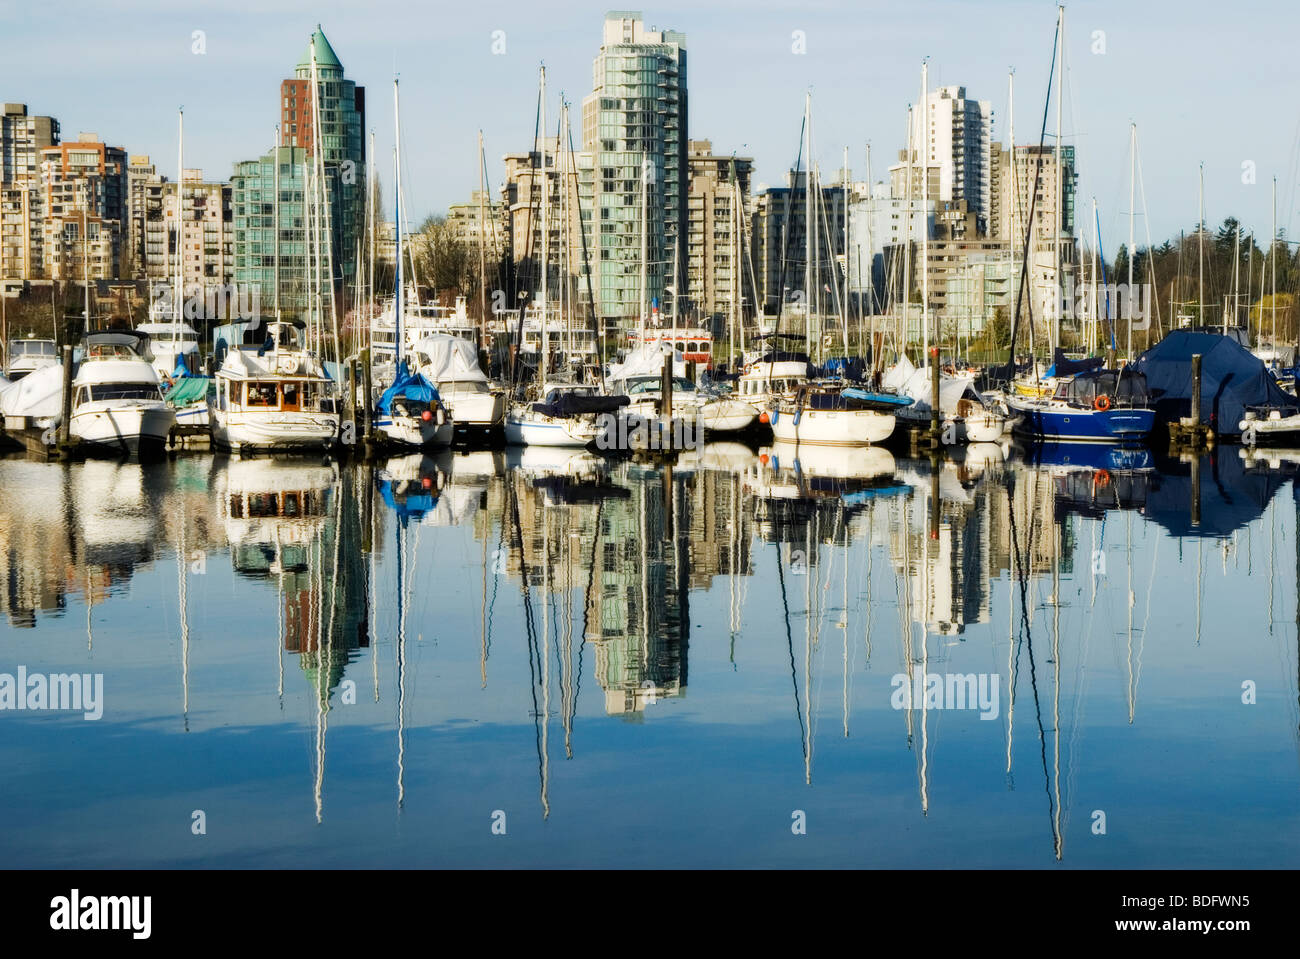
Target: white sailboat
[(410, 412)]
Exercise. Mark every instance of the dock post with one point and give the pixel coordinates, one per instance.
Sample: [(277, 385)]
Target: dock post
[(1196, 487), (1196, 391), (65, 419), (666, 405), (366, 436), (934, 397)]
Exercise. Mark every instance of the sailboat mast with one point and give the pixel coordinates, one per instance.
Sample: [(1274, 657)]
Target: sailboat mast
[(482, 250), (85, 255), (275, 245), (1132, 212), (180, 216), (845, 303), (397, 230), (905, 332), (1060, 152), (807, 222), (1200, 252), (925, 211), (1272, 256), (544, 353)]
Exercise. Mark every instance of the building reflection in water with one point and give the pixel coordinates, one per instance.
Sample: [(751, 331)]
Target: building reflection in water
[(607, 554)]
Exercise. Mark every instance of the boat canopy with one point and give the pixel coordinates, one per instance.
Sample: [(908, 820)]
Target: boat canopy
[(445, 358), (577, 404), (1125, 387), (1232, 379)]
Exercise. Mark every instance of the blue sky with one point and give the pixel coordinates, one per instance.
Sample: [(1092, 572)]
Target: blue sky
[(1204, 81)]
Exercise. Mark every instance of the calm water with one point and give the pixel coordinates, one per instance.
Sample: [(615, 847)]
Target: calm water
[(621, 665)]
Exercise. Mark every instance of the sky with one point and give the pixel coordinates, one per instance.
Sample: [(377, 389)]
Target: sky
[(1205, 82)]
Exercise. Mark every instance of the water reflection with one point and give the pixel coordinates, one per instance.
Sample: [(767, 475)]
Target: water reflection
[(456, 590)]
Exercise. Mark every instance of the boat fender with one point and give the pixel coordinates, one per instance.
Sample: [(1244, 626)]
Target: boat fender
[(441, 416), (798, 415), (426, 416)]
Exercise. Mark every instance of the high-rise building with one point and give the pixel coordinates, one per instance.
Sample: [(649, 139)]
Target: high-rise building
[(717, 199), (206, 235), (956, 136), (22, 138), (262, 200), (521, 203), (1026, 206), (259, 254), (144, 189), (634, 127), (780, 247), (83, 209)]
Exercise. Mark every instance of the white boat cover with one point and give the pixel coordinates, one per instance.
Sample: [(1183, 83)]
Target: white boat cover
[(647, 360), (39, 394), (906, 380), (452, 359)]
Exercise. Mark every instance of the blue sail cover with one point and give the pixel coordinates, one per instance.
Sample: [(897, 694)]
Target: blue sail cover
[(1062, 365), (1232, 379), (408, 386)]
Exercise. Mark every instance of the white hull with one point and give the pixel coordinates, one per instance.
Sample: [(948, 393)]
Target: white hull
[(415, 432), (832, 427), (727, 416), (535, 429), (240, 430), (122, 427), (473, 410)]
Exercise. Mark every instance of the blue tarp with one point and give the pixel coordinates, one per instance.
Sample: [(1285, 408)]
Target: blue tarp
[(408, 386), (885, 399), (1232, 379)]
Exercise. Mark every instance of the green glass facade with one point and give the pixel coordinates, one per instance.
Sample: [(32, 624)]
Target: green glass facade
[(255, 200)]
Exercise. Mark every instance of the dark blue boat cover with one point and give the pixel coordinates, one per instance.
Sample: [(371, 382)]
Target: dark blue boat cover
[(1232, 379)]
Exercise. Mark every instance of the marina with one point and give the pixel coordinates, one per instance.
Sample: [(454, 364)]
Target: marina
[(470, 439)]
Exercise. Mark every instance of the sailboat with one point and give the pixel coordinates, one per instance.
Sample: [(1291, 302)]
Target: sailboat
[(827, 414), (567, 414), (410, 411)]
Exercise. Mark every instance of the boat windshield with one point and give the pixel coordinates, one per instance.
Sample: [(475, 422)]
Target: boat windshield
[(110, 351), (652, 384), (33, 348), (124, 391)]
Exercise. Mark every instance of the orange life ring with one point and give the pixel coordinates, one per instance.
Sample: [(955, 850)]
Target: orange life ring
[(1101, 479), (1101, 404)]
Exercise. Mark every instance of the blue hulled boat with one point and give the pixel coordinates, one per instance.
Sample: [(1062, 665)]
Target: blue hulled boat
[(1097, 406)]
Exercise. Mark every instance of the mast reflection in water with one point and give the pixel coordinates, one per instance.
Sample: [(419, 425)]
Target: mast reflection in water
[(632, 664)]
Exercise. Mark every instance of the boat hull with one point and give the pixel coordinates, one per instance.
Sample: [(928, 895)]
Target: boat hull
[(528, 430), (1076, 425), (125, 430), (415, 431), (273, 431), (831, 427)]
